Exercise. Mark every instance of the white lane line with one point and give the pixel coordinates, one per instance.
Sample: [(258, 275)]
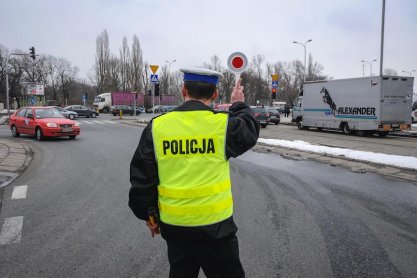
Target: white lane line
[(97, 122), (110, 122), (11, 231), (87, 122), (19, 192)]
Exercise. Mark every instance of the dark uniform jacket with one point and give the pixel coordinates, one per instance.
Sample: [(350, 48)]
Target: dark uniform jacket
[(242, 134)]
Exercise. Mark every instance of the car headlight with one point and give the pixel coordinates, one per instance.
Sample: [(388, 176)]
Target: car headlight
[(76, 124), (51, 125)]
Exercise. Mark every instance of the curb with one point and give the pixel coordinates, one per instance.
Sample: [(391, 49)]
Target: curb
[(17, 157)]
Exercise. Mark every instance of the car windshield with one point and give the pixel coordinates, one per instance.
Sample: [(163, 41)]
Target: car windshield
[(60, 109), (273, 111), (42, 113)]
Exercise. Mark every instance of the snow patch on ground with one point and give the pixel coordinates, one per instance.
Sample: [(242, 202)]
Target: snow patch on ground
[(380, 158)]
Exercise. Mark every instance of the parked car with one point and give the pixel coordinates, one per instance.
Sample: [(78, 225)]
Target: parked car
[(141, 109), (261, 115), (168, 108), (42, 122), (67, 114), (274, 115), (156, 109), (82, 110), (414, 112), (126, 109)]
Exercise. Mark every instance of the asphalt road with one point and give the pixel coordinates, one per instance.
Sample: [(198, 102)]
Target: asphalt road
[(295, 218)]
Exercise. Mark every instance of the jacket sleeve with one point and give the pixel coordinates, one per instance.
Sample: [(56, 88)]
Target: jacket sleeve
[(242, 130), (144, 176)]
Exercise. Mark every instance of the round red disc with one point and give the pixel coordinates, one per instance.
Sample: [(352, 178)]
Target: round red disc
[(237, 62)]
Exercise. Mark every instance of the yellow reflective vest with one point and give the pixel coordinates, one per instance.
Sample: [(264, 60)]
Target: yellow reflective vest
[(194, 178)]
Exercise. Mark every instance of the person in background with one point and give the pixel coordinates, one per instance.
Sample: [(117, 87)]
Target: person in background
[(181, 170), (287, 110)]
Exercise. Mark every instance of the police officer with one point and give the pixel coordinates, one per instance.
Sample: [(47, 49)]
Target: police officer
[(181, 168)]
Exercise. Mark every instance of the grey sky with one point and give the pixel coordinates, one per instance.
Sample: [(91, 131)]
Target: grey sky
[(343, 32)]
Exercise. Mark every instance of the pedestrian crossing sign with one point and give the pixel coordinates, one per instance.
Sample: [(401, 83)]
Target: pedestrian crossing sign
[(154, 78)]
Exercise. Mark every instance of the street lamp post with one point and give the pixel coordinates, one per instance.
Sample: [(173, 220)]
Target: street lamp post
[(169, 73), (305, 54), (409, 72), (370, 65)]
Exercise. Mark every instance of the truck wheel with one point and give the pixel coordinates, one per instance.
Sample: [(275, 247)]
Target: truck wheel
[(263, 125), (346, 130), (382, 133), (105, 110), (300, 124), (319, 128)]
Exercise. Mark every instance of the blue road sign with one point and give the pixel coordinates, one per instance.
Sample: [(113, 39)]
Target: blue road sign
[(274, 84), (83, 97), (32, 100), (154, 78)]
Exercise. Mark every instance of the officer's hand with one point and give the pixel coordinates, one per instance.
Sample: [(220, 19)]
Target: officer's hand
[(153, 228), (237, 93)]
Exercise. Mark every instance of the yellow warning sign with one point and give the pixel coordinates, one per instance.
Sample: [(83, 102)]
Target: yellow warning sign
[(274, 77), (154, 68)]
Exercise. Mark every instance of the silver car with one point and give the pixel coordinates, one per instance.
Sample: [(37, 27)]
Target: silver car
[(67, 114)]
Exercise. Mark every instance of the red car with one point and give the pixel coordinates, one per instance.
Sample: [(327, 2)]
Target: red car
[(42, 122)]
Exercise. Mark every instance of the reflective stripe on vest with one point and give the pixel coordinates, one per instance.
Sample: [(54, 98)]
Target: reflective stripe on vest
[(194, 178)]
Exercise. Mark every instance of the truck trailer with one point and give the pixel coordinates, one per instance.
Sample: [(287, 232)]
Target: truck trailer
[(366, 105), (103, 102)]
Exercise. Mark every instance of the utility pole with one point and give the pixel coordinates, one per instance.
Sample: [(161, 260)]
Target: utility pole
[(381, 60)]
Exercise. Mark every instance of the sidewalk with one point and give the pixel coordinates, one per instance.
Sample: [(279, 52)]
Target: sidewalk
[(14, 158)]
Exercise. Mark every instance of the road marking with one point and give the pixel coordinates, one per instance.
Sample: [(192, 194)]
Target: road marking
[(19, 192), (11, 231), (87, 122), (110, 122), (97, 122)]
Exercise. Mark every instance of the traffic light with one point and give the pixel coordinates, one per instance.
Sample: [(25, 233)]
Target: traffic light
[(156, 89), (86, 96), (274, 93), (32, 53)]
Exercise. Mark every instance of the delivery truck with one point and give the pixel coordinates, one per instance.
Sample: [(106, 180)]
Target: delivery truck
[(367, 105), (103, 102)]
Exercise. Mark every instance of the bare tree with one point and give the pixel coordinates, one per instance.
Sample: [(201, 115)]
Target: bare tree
[(66, 76), (15, 72), (215, 64), (114, 74), (390, 72), (145, 74), (136, 66), (4, 52), (101, 66), (226, 84), (51, 64), (314, 70), (124, 65)]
